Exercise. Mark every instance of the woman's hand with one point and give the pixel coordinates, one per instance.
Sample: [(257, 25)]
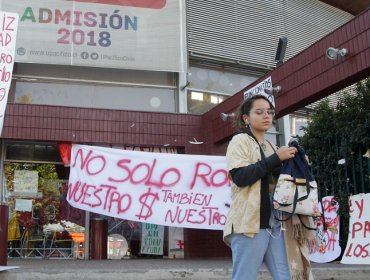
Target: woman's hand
[(285, 152)]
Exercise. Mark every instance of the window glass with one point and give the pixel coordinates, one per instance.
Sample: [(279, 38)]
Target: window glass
[(200, 102), (217, 80), (32, 152), (297, 123), (96, 96), (42, 224)]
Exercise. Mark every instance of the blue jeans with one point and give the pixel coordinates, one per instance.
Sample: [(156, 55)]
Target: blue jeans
[(267, 247)]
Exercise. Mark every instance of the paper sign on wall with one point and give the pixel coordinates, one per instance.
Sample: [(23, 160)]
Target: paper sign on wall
[(26, 181), (358, 245), (176, 243), (23, 205), (152, 239)]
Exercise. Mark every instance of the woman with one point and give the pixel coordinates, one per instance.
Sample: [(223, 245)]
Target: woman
[(251, 230)]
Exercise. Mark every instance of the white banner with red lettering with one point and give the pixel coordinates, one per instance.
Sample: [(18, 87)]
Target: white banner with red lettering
[(8, 34), (358, 245), (327, 239), (190, 191)]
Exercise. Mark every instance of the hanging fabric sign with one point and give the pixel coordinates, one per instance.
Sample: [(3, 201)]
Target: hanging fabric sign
[(190, 191), (8, 33)]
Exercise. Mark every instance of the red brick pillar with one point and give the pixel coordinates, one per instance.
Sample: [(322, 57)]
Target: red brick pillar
[(99, 238), (4, 214)]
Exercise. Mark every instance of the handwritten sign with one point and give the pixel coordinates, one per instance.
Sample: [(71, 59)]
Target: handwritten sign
[(8, 33), (259, 90), (189, 191), (26, 181), (328, 248), (358, 245), (152, 239)]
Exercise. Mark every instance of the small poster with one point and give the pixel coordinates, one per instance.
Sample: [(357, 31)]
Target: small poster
[(259, 89), (175, 243), (23, 205), (26, 181), (152, 239), (117, 247), (327, 238)]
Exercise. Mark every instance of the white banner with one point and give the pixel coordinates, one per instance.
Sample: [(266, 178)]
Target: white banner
[(327, 248), (145, 34), (358, 245), (189, 191), (8, 33)]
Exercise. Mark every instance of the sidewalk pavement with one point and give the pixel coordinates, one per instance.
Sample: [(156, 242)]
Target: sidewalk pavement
[(157, 269)]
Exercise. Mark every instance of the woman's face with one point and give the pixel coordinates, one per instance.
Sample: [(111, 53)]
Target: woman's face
[(260, 116)]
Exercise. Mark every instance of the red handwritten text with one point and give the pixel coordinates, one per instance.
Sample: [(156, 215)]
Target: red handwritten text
[(360, 206), (207, 215), (168, 178), (358, 250), (94, 165), (186, 198), (210, 178), (95, 196), (6, 25), (147, 201), (363, 228)]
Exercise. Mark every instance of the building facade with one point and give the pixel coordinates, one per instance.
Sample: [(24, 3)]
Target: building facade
[(130, 77)]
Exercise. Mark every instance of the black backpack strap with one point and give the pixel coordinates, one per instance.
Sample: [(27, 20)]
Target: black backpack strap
[(306, 227)]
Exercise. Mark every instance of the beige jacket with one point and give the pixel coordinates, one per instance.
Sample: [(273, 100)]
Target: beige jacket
[(244, 213)]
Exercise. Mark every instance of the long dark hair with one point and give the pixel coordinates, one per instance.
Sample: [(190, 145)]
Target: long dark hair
[(246, 107)]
